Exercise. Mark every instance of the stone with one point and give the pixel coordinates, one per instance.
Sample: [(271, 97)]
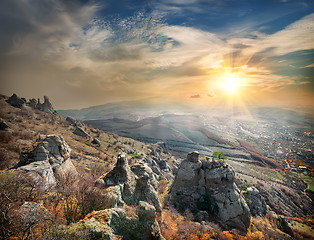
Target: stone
[(71, 120), (164, 165), (255, 201), (96, 142), (15, 101), (48, 157), (132, 184), (115, 223), (46, 106), (80, 132), (3, 125), (207, 186)]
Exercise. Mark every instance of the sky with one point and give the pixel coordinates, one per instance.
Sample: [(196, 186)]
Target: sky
[(82, 53)]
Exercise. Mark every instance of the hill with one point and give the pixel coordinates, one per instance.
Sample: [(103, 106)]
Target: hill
[(94, 153)]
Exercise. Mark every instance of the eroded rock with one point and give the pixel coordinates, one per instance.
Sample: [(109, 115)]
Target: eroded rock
[(48, 157), (209, 186), (255, 201)]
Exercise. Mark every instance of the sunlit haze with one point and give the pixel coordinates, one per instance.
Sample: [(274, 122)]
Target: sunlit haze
[(84, 53)]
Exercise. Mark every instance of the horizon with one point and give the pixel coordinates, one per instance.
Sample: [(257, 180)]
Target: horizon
[(192, 52)]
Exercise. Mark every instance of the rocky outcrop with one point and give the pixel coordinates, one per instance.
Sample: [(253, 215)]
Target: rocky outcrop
[(49, 157), (46, 106), (75, 122), (255, 201), (15, 101), (3, 125), (116, 223), (80, 132), (209, 185), (131, 185), (96, 142)]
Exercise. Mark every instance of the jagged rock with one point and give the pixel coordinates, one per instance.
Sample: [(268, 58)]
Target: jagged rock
[(96, 142), (164, 165), (132, 185), (255, 201), (284, 226), (114, 223), (80, 132), (32, 103), (15, 101), (74, 122), (208, 185), (162, 148), (3, 125), (46, 106), (71, 120), (50, 156)]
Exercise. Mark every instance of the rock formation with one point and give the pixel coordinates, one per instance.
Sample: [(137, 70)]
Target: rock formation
[(80, 132), (131, 185), (3, 125), (48, 158), (255, 201), (115, 223), (15, 101), (74, 122), (209, 185), (46, 106)]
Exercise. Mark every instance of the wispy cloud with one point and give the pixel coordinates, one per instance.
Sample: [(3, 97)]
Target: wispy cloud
[(139, 56)]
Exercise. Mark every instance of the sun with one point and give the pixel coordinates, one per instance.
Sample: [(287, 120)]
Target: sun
[(230, 83)]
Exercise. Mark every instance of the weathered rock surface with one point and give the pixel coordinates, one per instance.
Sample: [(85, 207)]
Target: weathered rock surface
[(48, 157), (96, 142), (3, 125), (131, 185), (80, 132), (209, 185), (255, 201), (46, 106), (15, 101), (75, 122), (115, 223)]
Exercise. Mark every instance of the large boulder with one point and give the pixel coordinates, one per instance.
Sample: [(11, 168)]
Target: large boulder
[(131, 185), (209, 185), (255, 201), (80, 132), (117, 223), (48, 158), (15, 101), (46, 106)]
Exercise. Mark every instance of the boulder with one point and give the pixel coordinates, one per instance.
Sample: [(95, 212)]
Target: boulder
[(131, 185), (116, 223), (48, 157), (164, 165), (15, 101), (96, 142), (32, 103), (74, 122), (209, 186), (255, 201), (80, 132), (3, 125), (46, 106)]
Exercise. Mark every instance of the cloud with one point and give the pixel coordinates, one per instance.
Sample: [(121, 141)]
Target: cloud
[(67, 50), (309, 66)]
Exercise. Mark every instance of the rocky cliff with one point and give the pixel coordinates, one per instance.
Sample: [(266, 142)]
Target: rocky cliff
[(209, 185)]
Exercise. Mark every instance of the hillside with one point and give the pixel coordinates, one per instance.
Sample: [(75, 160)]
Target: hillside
[(94, 156)]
